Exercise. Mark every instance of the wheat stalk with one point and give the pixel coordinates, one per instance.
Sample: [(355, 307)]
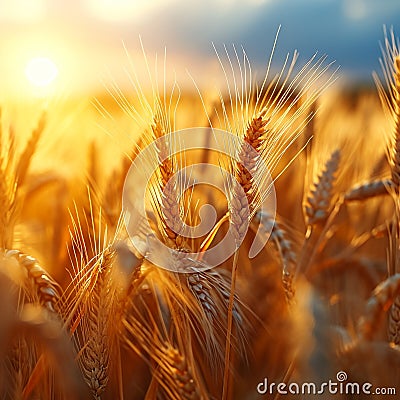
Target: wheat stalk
[(271, 151), (242, 206)]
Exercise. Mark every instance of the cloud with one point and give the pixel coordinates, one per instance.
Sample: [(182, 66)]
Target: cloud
[(356, 9)]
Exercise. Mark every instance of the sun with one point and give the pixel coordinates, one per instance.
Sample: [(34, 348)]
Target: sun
[(41, 71)]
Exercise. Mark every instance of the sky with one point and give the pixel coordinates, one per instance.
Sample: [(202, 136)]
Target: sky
[(86, 38)]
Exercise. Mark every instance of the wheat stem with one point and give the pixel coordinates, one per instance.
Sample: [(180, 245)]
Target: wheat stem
[(228, 366)]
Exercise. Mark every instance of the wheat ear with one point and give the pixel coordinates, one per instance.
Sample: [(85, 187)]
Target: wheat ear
[(391, 100), (380, 301), (319, 200), (211, 289), (395, 161), (285, 248), (97, 326), (201, 289), (242, 207), (169, 208), (394, 322), (368, 190), (46, 289), (13, 171), (176, 365), (254, 136), (26, 155)]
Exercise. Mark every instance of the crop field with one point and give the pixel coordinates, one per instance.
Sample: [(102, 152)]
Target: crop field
[(159, 242)]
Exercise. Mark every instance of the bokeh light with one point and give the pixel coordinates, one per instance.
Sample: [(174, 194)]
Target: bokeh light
[(41, 71)]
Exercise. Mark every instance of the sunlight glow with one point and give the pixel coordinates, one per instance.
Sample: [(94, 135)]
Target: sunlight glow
[(41, 71), (122, 10), (22, 10)]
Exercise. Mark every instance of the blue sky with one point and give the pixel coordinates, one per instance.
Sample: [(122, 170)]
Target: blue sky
[(85, 36), (348, 31)]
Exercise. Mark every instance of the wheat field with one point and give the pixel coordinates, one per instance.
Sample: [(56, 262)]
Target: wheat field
[(86, 313)]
